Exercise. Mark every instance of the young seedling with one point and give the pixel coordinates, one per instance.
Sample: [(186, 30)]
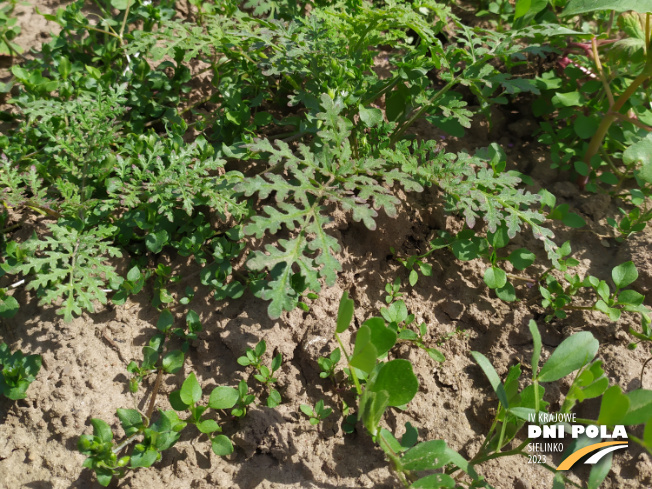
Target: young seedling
[(398, 320), (329, 364), (265, 375), (244, 399), (150, 439), (18, 372), (316, 414), (560, 298)]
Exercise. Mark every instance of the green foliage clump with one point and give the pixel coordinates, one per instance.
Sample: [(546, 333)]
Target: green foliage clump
[(18, 372)]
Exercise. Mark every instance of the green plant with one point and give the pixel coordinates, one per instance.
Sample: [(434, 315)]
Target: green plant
[(329, 363), (8, 32), (18, 372), (559, 298), (113, 153), (243, 400), (158, 357), (316, 414), (150, 439), (265, 374), (381, 385), (516, 407), (606, 142)]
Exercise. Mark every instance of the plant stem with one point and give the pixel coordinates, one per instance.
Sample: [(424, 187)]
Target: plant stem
[(117, 449), (124, 21), (157, 385), (609, 118), (524, 279), (398, 132), (396, 461), (352, 369), (11, 228), (603, 78), (643, 370)]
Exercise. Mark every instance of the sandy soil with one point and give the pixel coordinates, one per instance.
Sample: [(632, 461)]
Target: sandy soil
[(84, 362)]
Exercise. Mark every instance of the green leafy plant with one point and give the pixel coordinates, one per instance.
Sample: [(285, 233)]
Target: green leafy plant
[(316, 414), (575, 353), (265, 375), (328, 364), (150, 439), (18, 372), (604, 72), (8, 32), (611, 302), (392, 383)]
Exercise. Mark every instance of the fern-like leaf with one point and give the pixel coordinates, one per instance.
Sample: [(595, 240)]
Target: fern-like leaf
[(71, 264), (312, 182)]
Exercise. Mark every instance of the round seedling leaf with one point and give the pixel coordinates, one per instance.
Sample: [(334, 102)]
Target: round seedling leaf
[(274, 399), (585, 127), (370, 117), (624, 274), (495, 277), (173, 361), (156, 241), (165, 321), (8, 307), (223, 397), (506, 293), (521, 258), (573, 353), (222, 446), (364, 352), (208, 426), (382, 337), (398, 380)]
